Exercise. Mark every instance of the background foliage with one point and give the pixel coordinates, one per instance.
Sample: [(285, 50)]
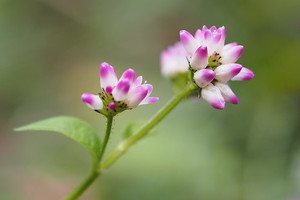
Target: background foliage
[(51, 50)]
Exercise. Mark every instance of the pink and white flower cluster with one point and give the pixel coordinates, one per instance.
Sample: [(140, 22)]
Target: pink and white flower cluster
[(212, 62), (118, 95)]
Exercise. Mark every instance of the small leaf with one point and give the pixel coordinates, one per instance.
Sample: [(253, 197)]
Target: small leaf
[(131, 128), (179, 82), (135, 126), (76, 129)]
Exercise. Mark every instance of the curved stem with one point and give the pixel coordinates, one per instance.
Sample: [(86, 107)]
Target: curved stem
[(94, 172), (83, 186), (125, 145)]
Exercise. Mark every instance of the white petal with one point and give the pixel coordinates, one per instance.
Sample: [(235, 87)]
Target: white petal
[(199, 36), (200, 58), (204, 77), (108, 76), (244, 75), (128, 75), (188, 41), (223, 37), (213, 96), (121, 90), (226, 72), (212, 39), (149, 100), (92, 101), (227, 93), (136, 96), (173, 61), (231, 54)]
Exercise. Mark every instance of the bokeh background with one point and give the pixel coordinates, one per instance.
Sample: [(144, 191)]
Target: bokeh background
[(50, 53)]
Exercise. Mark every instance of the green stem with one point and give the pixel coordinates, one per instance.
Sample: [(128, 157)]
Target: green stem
[(125, 145), (107, 135), (94, 172), (83, 186)]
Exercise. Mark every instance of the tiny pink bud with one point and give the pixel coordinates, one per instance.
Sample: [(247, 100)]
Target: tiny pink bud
[(111, 106), (109, 89)]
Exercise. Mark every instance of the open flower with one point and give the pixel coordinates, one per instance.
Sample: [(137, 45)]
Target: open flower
[(213, 64), (118, 95)]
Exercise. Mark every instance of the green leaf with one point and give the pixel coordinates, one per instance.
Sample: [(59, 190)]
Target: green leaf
[(135, 126), (131, 128), (75, 129)]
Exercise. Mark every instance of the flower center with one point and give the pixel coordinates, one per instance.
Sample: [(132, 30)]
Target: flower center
[(214, 61), (110, 105)]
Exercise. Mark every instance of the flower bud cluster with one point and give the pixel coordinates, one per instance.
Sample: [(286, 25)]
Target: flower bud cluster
[(211, 62), (118, 95)]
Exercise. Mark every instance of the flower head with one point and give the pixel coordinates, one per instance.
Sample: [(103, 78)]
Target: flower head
[(210, 62), (118, 95), (213, 64), (173, 61)]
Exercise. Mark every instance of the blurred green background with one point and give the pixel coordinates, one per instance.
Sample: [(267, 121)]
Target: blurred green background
[(50, 54)]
